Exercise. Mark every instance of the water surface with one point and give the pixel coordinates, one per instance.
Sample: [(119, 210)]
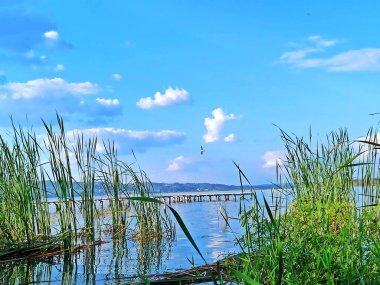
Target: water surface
[(115, 261)]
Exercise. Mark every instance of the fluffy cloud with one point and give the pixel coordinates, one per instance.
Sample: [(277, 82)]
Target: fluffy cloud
[(366, 59), (51, 35), (272, 158), (101, 108), (40, 88), (215, 124), (179, 163), (108, 102), (170, 97), (230, 138), (127, 140), (42, 98), (116, 76)]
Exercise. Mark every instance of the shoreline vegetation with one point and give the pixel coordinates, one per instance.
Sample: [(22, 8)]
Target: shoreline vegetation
[(322, 228), (27, 227)]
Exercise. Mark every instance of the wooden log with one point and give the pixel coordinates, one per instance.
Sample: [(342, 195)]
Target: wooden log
[(197, 275)]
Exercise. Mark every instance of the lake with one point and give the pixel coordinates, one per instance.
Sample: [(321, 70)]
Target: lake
[(116, 261)]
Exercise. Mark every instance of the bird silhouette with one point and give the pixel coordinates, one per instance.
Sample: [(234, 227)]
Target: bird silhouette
[(202, 150)]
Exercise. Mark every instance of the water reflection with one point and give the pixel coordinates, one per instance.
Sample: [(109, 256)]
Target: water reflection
[(110, 263), (123, 258)]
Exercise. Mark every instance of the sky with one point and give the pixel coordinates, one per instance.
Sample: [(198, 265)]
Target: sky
[(163, 78)]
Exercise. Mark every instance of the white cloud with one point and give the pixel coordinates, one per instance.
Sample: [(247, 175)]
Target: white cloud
[(272, 158), (366, 59), (320, 42), (170, 97), (361, 145), (230, 138), (59, 67), (296, 56), (43, 57), (116, 76), (108, 102), (51, 35), (177, 164), (43, 98), (41, 88), (318, 45), (103, 108), (127, 140), (180, 163), (215, 124)]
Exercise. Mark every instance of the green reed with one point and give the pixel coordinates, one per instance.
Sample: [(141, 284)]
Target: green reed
[(72, 166), (57, 148), (150, 222), (319, 228), (121, 180), (23, 215), (111, 175), (85, 154)]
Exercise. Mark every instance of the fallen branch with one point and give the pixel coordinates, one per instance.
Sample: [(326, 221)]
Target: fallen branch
[(195, 275)]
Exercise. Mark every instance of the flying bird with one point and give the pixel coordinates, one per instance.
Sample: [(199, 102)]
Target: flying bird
[(202, 150), (372, 114)]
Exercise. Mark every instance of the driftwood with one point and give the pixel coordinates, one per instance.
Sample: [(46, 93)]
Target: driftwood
[(40, 250), (195, 275)]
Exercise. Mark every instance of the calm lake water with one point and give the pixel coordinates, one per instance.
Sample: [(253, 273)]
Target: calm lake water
[(114, 262)]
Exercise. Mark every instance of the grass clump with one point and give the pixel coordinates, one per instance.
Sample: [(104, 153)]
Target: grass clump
[(67, 168), (321, 229), (24, 217)]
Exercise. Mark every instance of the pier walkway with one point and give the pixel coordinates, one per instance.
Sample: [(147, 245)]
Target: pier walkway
[(169, 199)]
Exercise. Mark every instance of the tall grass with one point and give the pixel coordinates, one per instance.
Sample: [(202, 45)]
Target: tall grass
[(85, 153), (121, 181), (24, 217), (317, 231), (30, 165), (57, 148)]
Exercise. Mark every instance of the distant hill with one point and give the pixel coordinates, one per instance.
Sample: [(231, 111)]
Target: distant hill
[(183, 187), (169, 187)]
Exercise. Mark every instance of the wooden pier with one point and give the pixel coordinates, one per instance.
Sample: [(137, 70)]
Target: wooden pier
[(215, 197), (169, 199)]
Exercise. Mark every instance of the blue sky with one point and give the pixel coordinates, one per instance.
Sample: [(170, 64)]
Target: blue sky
[(165, 77)]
